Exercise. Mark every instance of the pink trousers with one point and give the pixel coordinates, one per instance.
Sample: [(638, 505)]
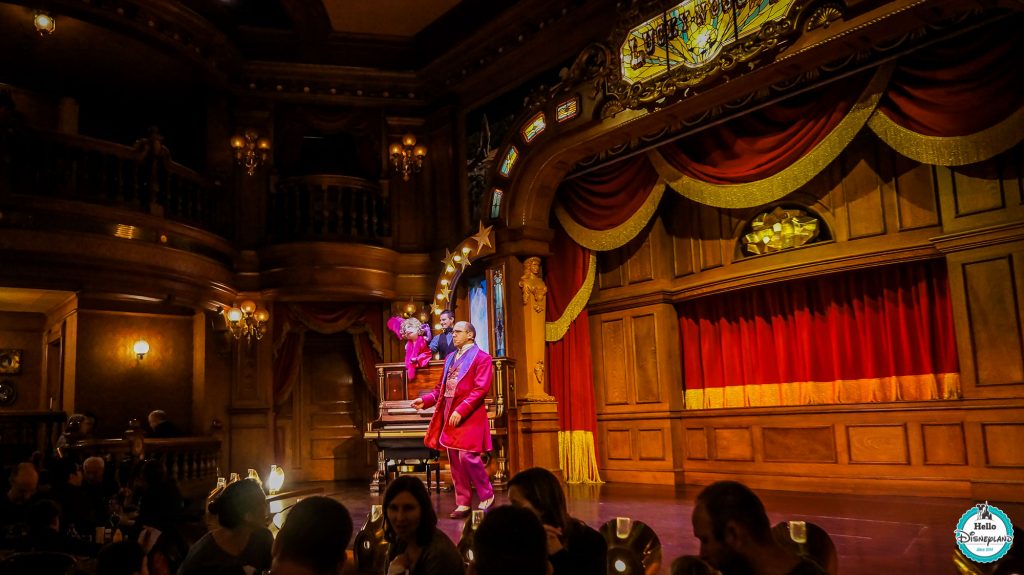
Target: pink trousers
[(468, 471)]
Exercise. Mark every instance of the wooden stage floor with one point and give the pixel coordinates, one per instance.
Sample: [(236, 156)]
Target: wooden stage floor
[(873, 534)]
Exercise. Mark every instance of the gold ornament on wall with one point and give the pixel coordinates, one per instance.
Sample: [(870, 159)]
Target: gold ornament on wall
[(780, 229)]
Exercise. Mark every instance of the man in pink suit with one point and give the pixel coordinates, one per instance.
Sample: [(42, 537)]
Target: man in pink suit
[(460, 421)]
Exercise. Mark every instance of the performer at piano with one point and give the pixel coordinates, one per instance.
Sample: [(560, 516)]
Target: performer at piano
[(441, 345), (460, 421), (417, 346)]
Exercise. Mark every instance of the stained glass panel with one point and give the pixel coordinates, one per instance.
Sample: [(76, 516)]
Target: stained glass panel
[(510, 160), (496, 203), (567, 110), (534, 127)]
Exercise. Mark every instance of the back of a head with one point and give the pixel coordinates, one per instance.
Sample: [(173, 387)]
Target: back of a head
[(544, 492), (510, 541), (237, 501), (315, 534), (690, 565), (121, 558), (727, 501)]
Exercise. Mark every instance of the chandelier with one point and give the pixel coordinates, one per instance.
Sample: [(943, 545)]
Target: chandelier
[(250, 150), (246, 320), (407, 157)]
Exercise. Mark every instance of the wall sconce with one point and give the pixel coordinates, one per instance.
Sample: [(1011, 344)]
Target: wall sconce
[(407, 157), (250, 150), (246, 320), (141, 348), (44, 23)]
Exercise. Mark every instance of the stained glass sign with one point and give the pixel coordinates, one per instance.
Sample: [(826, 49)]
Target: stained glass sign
[(496, 202), (567, 110), (510, 160), (691, 34), (534, 127)]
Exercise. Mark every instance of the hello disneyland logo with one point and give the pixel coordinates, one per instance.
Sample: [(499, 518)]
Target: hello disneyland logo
[(984, 533)]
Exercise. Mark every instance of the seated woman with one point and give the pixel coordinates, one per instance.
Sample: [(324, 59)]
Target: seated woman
[(418, 547), (573, 547), (416, 336), (242, 543)]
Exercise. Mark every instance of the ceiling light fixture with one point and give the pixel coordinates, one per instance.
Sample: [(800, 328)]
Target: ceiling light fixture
[(44, 23)]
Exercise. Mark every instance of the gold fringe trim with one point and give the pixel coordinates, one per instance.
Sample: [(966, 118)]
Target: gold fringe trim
[(886, 389), (604, 240), (778, 185), (950, 151), (578, 457), (556, 330)]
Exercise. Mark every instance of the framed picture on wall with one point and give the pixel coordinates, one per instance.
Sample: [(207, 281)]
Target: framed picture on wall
[(10, 361)]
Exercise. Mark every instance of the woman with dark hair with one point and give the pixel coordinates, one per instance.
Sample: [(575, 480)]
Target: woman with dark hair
[(418, 547), (242, 543), (573, 547)]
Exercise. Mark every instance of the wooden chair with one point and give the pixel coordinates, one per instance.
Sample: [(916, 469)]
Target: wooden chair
[(819, 546)]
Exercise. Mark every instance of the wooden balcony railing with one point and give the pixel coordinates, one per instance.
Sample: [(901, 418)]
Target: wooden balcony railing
[(191, 461), (141, 178), (25, 432), (328, 208)]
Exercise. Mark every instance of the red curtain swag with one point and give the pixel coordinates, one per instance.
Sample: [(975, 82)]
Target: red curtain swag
[(608, 196)]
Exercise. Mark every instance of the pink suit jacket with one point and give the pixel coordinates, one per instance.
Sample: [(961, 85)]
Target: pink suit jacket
[(474, 431)]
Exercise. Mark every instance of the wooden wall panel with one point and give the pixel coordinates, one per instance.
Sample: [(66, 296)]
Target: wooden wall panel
[(696, 443), (944, 444), (619, 444), (862, 190), (640, 267), (994, 320), (711, 237), (645, 354), (613, 343), (682, 256), (977, 190), (808, 444), (916, 195), (1003, 444), (877, 443), (651, 444), (734, 444)]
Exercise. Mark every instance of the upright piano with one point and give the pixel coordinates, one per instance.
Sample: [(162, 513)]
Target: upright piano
[(399, 429)]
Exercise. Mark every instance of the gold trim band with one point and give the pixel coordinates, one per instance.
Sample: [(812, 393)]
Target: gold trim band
[(556, 330), (949, 151)]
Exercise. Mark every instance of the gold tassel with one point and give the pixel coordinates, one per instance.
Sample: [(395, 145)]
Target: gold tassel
[(578, 458)]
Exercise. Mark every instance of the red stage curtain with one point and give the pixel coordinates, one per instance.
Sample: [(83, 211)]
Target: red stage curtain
[(883, 334), (959, 86), (568, 362), (361, 321), (608, 196), (767, 141)]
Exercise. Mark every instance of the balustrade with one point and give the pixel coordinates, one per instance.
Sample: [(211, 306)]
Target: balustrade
[(328, 208), (141, 178)]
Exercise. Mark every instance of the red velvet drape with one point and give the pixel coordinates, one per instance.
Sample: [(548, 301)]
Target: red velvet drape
[(609, 195), (568, 360), (359, 320), (767, 141), (959, 86), (864, 325)]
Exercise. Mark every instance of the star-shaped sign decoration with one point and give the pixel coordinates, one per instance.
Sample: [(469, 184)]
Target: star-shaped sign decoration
[(483, 238), (435, 309), (445, 291), (449, 259)]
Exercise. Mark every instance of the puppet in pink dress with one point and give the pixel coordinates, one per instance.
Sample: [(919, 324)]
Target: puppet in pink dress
[(417, 343)]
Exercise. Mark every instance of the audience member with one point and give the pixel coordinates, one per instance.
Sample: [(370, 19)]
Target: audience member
[(417, 546), (43, 520), (24, 480), (242, 543), (690, 565), (313, 539), (78, 513), (573, 547), (122, 558), (735, 535), (510, 541), (161, 427), (79, 427), (158, 497)]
